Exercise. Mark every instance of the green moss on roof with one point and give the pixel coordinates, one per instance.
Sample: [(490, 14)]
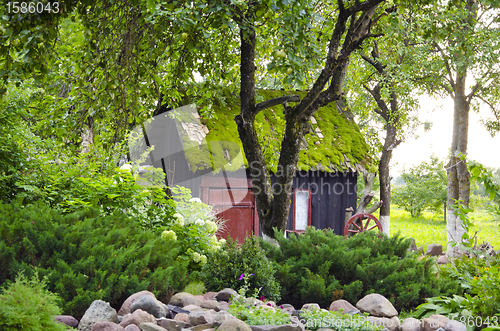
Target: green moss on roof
[(341, 138)]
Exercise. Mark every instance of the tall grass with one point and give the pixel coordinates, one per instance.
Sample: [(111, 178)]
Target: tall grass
[(430, 227)]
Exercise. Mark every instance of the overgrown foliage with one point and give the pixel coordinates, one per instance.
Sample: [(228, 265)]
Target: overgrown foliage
[(228, 266), (320, 266), (27, 305), (87, 256)]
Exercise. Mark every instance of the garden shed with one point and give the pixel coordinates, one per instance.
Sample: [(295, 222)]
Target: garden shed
[(205, 155)]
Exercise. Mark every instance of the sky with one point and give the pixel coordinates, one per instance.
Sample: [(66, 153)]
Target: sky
[(481, 147)]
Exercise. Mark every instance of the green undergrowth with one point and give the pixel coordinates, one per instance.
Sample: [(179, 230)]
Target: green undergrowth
[(431, 227)]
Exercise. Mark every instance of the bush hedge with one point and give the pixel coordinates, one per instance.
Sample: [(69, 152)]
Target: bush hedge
[(86, 256), (321, 267)]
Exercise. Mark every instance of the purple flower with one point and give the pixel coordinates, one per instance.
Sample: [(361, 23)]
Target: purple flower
[(241, 277), (281, 306), (262, 298), (252, 274)]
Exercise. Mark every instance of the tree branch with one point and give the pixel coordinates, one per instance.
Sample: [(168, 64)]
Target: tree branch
[(274, 102), (447, 65)]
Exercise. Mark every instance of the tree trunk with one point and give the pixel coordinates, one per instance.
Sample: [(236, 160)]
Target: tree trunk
[(385, 177), (458, 175)]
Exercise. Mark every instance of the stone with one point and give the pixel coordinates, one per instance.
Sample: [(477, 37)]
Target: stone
[(343, 306), (443, 259), (234, 325), (287, 306), (310, 307), (391, 324), (98, 311), (172, 325), (434, 322), (202, 327), (210, 295), (151, 327), (67, 319), (222, 316), (210, 304), (413, 246), (191, 308), (454, 325), (125, 308), (149, 304), (106, 326), (137, 317), (285, 327), (226, 294), (200, 297), (199, 317), (435, 250), (132, 327), (182, 318), (174, 310), (223, 305), (411, 324), (183, 299), (376, 305)]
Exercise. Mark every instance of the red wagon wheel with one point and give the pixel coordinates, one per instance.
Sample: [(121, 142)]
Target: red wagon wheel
[(352, 227)]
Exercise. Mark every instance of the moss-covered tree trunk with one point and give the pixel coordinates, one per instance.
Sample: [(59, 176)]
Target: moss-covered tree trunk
[(273, 203)]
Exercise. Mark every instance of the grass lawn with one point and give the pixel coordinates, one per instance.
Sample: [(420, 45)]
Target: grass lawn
[(431, 228)]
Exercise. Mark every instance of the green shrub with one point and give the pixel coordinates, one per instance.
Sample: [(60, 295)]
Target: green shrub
[(319, 266), (26, 305), (195, 288), (225, 267), (87, 256)]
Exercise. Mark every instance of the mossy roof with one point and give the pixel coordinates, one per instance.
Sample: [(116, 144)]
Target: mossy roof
[(341, 147)]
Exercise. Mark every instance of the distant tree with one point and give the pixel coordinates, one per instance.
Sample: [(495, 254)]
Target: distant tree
[(424, 188)]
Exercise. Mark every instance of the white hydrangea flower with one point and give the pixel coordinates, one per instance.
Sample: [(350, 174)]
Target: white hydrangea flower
[(211, 226), (179, 219), (199, 222), (169, 235), (203, 259), (222, 241), (195, 200), (197, 257)]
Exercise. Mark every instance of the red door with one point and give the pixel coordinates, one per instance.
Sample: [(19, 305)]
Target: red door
[(235, 205)]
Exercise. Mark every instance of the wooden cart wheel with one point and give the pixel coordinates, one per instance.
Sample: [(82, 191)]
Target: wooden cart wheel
[(365, 219)]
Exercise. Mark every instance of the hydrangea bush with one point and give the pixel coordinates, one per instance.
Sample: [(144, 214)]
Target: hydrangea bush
[(193, 228)]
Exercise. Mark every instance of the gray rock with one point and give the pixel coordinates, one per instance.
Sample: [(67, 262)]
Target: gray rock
[(151, 327), (191, 308), (210, 295), (182, 317), (391, 324), (66, 319), (226, 294), (413, 246), (125, 308), (411, 324), (137, 317), (343, 306), (310, 307), (183, 299), (210, 304), (297, 313), (222, 316), (443, 259), (149, 304), (453, 325), (202, 327), (174, 310), (234, 325), (132, 327), (98, 311), (172, 325), (285, 327), (434, 322), (199, 317), (224, 305), (376, 305), (435, 250), (106, 326)]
